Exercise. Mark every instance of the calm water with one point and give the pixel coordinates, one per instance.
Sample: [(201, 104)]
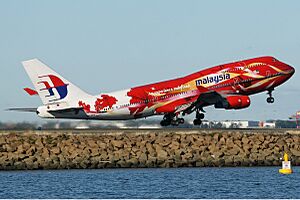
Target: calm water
[(263, 182)]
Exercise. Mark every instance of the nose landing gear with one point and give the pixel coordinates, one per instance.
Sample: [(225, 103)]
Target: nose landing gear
[(270, 99)]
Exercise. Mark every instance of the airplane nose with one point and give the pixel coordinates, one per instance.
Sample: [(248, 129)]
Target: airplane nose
[(287, 69), (290, 70)]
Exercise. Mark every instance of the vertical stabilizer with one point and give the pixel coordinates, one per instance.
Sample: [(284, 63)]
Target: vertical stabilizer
[(50, 86)]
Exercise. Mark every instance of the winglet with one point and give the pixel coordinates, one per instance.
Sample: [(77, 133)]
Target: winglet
[(31, 92)]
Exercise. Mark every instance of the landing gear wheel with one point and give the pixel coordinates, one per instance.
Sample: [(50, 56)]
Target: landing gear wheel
[(270, 100), (197, 122), (177, 121), (181, 120), (200, 116), (164, 123), (171, 119), (174, 122)]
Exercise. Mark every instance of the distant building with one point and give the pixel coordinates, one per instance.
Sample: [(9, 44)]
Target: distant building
[(229, 124), (268, 124), (240, 124)]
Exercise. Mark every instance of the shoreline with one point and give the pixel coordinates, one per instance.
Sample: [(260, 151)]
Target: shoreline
[(146, 148)]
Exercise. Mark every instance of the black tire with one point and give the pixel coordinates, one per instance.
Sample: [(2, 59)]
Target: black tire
[(175, 123), (197, 122), (201, 116), (270, 100), (164, 123), (181, 121)]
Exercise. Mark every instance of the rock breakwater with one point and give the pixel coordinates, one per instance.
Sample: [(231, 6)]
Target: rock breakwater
[(146, 148)]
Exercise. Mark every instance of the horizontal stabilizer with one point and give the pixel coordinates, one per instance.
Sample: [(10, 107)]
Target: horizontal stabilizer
[(31, 92), (23, 109)]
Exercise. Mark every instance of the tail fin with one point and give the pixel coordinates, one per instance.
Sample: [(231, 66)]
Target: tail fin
[(51, 87)]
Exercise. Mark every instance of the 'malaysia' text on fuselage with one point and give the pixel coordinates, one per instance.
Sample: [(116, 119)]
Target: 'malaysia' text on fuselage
[(212, 79)]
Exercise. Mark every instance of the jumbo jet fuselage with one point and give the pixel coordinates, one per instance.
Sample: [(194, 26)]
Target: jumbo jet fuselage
[(226, 86)]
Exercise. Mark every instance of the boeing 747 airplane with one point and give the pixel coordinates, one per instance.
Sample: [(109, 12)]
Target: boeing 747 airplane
[(226, 86)]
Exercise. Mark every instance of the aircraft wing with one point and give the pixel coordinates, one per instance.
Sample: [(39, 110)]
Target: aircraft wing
[(209, 98), (206, 98)]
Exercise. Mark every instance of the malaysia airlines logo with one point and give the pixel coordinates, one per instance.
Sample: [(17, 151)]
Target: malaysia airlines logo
[(51, 82), (212, 79)]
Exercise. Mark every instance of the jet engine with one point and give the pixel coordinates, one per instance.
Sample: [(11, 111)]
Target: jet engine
[(234, 102)]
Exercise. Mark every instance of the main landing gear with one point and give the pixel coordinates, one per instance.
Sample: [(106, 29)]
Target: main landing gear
[(270, 99), (199, 117), (174, 120), (171, 119)]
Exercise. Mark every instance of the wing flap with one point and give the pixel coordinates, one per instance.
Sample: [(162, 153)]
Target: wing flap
[(206, 98)]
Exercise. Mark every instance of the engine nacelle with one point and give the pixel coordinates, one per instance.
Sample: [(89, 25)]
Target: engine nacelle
[(42, 111), (234, 102)]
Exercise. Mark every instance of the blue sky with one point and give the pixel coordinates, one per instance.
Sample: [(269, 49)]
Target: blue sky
[(104, 46)]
